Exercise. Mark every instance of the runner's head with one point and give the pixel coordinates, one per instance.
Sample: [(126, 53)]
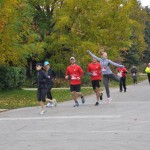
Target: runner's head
[(72, 60), (104, 55), (94, 60), (46, 65), (39, 66)]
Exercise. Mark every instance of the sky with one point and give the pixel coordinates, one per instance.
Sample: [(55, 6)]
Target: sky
[(145, 2)]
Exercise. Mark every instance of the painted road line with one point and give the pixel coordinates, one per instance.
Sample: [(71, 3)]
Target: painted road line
[(62, 117), (86, 131)]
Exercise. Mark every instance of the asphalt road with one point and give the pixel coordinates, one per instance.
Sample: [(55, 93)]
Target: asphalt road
[(123, 124)]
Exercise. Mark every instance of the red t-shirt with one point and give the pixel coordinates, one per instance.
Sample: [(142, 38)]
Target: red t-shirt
[(75, 72), (122, 71), (95, 70)]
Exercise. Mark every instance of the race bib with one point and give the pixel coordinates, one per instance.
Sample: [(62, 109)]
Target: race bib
[(94, 73), (73, 77), (133, 74), (119, 74), (104, 69)]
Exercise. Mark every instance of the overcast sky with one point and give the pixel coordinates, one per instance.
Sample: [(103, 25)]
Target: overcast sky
[(145, 2)]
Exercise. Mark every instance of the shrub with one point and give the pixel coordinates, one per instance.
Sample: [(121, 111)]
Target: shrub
[(61, 82), (11, 77)]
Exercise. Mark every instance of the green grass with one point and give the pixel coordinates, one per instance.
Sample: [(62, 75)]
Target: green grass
[(129, 80), (26, 98)]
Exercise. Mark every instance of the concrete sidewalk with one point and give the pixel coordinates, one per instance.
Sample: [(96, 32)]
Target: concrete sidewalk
[(122, 125)]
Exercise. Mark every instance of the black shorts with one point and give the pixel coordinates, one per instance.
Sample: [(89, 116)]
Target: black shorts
[(95, 83), (76, 88), (41, 94)]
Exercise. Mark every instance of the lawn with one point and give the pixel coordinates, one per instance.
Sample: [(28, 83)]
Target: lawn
[(25, 98)]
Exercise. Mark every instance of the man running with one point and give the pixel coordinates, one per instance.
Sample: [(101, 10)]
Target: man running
[(147, 70), (74, 73), (134, 74), (94, 70), (122, 74)]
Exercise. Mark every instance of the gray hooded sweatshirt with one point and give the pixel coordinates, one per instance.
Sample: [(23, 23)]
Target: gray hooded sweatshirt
[(105, 69)]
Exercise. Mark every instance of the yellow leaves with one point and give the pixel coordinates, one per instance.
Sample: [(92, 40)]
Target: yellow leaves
[(10, 27), (62, 22), (63, 39), (70, 4)]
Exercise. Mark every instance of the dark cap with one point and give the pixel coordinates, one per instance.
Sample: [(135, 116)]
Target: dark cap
[(39, 64)]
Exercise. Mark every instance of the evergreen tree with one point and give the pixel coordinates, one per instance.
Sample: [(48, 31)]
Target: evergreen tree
[(146, 54)]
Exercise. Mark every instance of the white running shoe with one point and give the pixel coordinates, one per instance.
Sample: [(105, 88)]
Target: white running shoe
[(109, 100), (54, 102), (49, 105), (43, 112)]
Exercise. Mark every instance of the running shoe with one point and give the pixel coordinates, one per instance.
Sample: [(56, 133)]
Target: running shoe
[(76, 104), (54, 102), (109, 100), (43, 112), (101, 96), (49, 105), (83, 100), (97, 103)]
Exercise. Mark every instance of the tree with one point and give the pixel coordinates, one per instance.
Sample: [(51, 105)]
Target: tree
[(58, 29), (138, 17), (82, 25), (146, 54), (17, 37)]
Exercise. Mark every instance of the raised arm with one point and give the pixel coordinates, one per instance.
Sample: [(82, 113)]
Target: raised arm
[(97, 58), (115, 64)]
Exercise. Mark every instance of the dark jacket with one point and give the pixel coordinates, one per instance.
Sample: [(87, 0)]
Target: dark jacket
[(133, 70), (52, 75), (134, 73), (42, 79)]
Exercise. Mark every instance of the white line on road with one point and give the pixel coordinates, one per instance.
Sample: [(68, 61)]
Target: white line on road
[(86, 131), (62, 117)]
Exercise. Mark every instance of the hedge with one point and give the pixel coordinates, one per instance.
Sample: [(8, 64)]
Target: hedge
[(11, 77)]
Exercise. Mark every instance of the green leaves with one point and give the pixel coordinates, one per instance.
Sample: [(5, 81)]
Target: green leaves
[(56, 28)]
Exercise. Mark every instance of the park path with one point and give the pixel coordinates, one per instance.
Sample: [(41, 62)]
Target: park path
[(123, 124)]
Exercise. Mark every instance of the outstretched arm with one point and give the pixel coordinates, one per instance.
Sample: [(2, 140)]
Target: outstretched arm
[(97, 58), (115, 64)]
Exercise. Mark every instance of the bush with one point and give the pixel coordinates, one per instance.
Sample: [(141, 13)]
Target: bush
[(61, 82), (86, 81), (11, 77)]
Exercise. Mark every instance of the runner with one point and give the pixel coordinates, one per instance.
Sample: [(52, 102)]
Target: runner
[(94, 70), (41, 87), (147, 70), (122, 74), (74, 73), (134, 74), (106, 71), (51, 74)]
